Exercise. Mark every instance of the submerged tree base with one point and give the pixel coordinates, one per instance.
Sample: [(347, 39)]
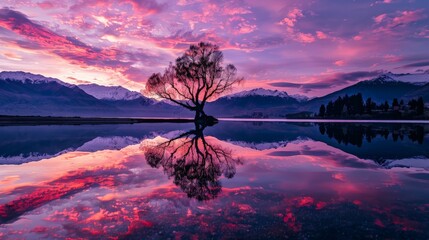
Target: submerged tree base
[(206, 120)]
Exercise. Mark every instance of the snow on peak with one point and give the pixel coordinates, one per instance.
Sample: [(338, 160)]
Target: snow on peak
[(388, 77), (417, 78), (30, 77), (110, 93), (300, 98), (259, 92)]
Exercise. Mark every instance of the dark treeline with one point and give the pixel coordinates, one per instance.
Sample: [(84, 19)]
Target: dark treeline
[(355, 105), (354, 134)]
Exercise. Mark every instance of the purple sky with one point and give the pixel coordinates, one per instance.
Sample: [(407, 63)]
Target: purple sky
[(307, 47)]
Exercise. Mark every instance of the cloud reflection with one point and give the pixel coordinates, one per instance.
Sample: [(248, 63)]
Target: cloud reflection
[(152, 190)]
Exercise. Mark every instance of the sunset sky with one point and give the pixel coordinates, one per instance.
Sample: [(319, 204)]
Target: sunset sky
[(303, 47)]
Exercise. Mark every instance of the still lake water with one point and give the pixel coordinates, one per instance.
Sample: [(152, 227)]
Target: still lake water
[(245, 180)]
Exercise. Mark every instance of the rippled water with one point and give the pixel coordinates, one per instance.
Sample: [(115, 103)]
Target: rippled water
[(233, 180)]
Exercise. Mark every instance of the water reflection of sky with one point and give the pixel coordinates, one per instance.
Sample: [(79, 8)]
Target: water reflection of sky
[(299, 187)]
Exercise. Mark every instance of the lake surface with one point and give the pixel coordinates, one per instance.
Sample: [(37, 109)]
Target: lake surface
[(235, 180)]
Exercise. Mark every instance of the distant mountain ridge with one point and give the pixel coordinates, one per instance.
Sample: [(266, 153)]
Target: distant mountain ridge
[(422, 91), (24, 93), (259, 92), (383, 88), (417, 78), (253, 102), (30, 78), (30, 94), (110, 92), (267, 93)]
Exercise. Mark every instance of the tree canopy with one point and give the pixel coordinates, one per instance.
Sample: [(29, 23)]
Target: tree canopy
[(196, 77)]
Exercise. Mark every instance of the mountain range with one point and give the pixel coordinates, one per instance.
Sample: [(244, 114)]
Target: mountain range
[(30, 94), (385, 87), (24, 93)]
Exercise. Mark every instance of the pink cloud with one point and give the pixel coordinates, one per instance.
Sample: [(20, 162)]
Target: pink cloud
[(406, 17), (73, 50), (229, 18), (12, 56), (19, 23), (240, 25), (357, 38), (244, 28), (392, 58), (46, 5), (292, 17), (146, 7), (305, 37), (236, 11), (390, 24), (188, 2), (340, 63), (380, 18), (321, 35), (424, 33), (290, 22), (295, 13), (133, 38)]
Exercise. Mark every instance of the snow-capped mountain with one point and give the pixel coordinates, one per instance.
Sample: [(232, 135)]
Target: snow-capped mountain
[(416, 78), (259, 102), (26, 77), (385, 87), (384, 78), (26, 94), (110, 92), (30, 94), (393, 78), (267, 93), (300, 98), (259, 92)]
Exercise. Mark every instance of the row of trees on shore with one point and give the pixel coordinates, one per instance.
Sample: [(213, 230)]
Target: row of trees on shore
[(355, 105)]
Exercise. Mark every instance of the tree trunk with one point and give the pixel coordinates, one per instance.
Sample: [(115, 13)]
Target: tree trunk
[(202, 118), (198, 114)]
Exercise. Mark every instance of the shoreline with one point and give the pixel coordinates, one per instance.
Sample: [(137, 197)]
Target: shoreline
[(318, 120), (47, 120)]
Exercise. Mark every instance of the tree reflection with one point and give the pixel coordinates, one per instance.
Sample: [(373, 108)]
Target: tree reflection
[(194, 161)]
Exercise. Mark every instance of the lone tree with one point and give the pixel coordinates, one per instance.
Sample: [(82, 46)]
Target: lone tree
[(196, 77)]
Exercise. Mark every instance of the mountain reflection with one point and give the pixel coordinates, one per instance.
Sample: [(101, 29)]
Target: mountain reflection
[(375, 141), (194, 162)]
